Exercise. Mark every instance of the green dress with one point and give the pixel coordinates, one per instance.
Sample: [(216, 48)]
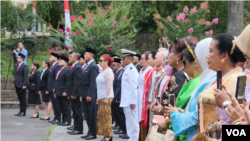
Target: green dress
[(183, 99)]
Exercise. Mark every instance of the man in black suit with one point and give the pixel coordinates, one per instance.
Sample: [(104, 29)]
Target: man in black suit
[(72, 90), (60, 84), (21, 76), (50, 87), (136, 62), (117, 111), (89, 92)]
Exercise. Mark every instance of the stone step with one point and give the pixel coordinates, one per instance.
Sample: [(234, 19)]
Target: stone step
[(15, 105)]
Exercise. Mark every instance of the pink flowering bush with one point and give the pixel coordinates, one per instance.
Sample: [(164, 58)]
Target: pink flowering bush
[(100, 29), (184, 22)]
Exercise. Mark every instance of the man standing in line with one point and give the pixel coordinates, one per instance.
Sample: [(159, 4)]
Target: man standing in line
[(60, 84), (83, 64), (129, 94), (21, 50), (50, 87), (89, 92), (117, 111), (21, 76), (72, 90), (136, 61)]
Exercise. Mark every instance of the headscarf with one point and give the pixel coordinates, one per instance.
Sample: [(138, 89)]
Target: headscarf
[(201, 51)]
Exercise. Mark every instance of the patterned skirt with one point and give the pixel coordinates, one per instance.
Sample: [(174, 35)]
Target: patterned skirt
[(104, 118)]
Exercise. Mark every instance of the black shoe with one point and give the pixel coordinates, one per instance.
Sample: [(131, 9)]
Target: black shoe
[(119, 132), (51, 121), (56, 122), (65, 124), (17, 114), (59, 123), (76, 132), (90, 137), (124, 136), (37, 116), (41, 118), (46, 118), (115, 128), (22, 114), (84, 136), (71, 128)]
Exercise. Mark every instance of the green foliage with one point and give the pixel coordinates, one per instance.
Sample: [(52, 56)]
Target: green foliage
[(2, 65), (106, 31), (174, 28)]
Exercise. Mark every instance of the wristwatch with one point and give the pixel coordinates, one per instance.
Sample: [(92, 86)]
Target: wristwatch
[(225, 103)]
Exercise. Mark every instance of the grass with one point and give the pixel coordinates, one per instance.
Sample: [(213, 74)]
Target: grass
[(5, 59), (50, 130)]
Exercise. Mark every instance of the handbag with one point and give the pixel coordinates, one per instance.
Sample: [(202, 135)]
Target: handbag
[(153, 135)]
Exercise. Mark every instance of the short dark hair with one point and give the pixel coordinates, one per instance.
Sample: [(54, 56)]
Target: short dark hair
[(225, 45), (187, 54), (47, 63), (78, 55), (36, 64), (21, 43), (147, 54), (22, 57)]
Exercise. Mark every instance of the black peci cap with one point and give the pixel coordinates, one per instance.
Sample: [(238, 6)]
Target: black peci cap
[(116, 58), (139, 56), (54, 44), (90, 50), (66, 59), (56, 55), (20, 54)]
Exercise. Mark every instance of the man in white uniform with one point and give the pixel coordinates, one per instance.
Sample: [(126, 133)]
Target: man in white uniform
[(129, 94)]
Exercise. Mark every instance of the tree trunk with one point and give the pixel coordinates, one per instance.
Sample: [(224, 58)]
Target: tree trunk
[(235, 17)]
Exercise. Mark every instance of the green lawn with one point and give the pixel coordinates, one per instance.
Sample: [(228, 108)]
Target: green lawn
[(5, 59)]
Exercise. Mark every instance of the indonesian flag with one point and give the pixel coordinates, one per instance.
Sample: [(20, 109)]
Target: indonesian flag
[(68, 42)]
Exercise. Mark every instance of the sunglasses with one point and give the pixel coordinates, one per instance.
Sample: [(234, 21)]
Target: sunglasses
[(102, 61)]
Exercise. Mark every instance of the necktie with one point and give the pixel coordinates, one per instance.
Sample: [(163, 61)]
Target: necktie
[(84, 68), (18, 68), (51, 68), (71, 67), (58, 73)]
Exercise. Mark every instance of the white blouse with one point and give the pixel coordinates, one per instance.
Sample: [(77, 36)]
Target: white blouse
[(104, 82)]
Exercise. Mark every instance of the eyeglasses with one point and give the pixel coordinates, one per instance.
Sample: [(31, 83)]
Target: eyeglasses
[(102, 61)]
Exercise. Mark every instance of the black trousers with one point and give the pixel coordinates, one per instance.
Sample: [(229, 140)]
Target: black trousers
[(64, 105), (56, 109), (118, 114), (90, 113), (77, 113), (21, 95)]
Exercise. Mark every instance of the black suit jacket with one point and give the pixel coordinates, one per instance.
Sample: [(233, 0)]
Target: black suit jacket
[(21, 75), (117, 84), (73, 82), (34, 81), (52, 77), (138, 67), (43, 82), (88, 81), (60, 83)]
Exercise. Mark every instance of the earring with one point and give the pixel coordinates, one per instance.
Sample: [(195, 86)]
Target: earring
[(195, 73), (222, 61)]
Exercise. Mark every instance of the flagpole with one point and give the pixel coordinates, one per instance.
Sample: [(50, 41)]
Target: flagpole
[(68, 42), (34, 21)]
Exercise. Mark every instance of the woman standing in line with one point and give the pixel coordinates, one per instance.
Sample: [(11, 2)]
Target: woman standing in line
[(105, 95), (34, 80), (43, 86)]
